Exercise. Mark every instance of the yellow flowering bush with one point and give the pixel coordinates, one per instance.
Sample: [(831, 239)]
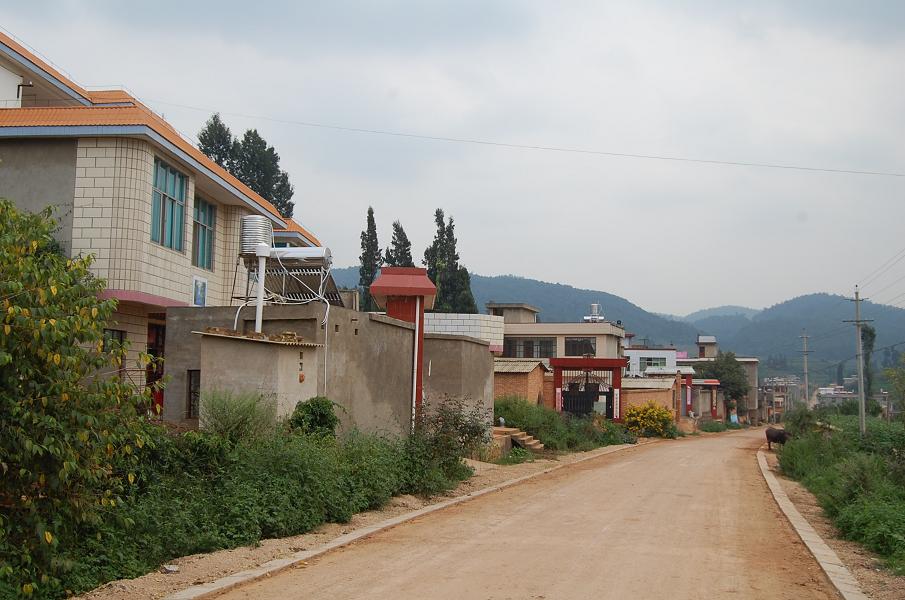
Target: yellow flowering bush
[(650, 420)]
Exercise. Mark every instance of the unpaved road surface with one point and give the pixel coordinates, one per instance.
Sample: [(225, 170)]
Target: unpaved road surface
[(685, 519)]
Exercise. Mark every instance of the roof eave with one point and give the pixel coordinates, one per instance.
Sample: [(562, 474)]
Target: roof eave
[(132, 131)]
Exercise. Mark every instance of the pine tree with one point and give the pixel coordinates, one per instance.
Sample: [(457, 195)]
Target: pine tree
[(399, 254), (251, 160), (452, 280), (370, 262), (216, 141)]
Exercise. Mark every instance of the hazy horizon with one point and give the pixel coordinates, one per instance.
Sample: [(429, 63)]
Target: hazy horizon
[(814, 84)]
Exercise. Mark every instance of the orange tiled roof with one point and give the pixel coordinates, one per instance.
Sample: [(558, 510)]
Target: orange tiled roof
[(135, 113)]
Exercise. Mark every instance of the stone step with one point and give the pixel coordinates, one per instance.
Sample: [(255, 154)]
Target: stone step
[(519, 438)]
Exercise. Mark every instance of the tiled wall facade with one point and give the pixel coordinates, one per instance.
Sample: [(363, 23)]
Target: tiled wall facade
[(112, 220), (485, 327)]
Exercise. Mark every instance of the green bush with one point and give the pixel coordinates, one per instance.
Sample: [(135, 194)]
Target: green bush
[(70, 440), (857, 480), (735, 426), (799, 420), (712, 426), (516, 456), (559, 431), (237, 416), (315, 416)]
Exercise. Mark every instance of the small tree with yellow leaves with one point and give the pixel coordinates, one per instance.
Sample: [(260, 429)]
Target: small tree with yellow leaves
[(71, 427)]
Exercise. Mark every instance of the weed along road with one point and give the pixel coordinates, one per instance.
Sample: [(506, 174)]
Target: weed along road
[(685, 519)]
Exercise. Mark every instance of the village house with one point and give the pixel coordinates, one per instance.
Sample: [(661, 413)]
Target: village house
[(160, 217), (749, 409)]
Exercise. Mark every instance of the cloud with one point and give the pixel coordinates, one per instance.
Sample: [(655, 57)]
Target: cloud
[(811, 83)]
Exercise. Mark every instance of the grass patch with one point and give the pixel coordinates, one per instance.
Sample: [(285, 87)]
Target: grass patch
[(859, 482), (516, 456), (559, 431), (712, 426)]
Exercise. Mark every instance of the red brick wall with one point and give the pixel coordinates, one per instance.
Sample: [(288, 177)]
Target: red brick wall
[(527, 385)]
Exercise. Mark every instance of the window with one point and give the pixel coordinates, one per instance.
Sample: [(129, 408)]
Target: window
[(203, 235), (113, 338), (193, 382), (168, 206), (648, 361), (529, 347), (579, 346)]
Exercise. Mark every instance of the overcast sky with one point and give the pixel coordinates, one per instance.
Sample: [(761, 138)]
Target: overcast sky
[(817, 84)]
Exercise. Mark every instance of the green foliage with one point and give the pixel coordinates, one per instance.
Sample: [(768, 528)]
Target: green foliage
[(730, 372), (251, 160), (315, 416), (71, 436), (516, 456), (799, 420), (237, 416), (712, 426), (399, 253), (868, 340), (369, 261), (453, 282), (559, 431), (860, 482), (650, 420), (895, 375)]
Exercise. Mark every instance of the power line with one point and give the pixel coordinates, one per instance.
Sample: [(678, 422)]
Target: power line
[(896, 258), (564, 149)]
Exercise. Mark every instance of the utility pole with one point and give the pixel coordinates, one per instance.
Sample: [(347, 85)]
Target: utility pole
[(862, 420), (804, 353)]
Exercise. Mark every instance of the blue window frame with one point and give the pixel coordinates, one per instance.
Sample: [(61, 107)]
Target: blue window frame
[(168, 206), (203, 234)]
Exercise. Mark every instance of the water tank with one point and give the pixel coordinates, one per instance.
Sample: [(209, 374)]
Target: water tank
[(254, 230)]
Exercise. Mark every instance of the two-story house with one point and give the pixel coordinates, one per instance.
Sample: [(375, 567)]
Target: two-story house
[(161, 219)]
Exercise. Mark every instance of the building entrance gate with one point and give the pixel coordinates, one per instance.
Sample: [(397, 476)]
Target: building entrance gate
[(579, 383)]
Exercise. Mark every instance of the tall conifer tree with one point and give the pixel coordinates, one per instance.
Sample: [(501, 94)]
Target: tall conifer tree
[(399, 253), (370, 262)]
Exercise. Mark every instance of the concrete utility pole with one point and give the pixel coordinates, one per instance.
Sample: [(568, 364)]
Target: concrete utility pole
[(804, 352), (862, 420)]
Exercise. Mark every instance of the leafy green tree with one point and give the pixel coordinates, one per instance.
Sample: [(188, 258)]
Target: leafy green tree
[(868, 339), (730, 372), (72, 428), (369, 261), (442, 261), (896, 378), (216, 141), (399, 253), (252, 160)]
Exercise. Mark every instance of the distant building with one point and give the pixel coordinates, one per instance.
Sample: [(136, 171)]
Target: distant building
[(749, 408)]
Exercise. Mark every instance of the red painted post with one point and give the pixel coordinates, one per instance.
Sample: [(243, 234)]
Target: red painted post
[(557, 387), (405, 293)]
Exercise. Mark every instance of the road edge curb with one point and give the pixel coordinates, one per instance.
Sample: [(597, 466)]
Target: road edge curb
[(272, 567), (836, 571)]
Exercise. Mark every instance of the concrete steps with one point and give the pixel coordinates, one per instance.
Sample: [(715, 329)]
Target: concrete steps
[(519, 438)]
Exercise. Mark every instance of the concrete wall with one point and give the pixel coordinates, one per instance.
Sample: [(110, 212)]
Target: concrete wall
[(458, 367), (269, 369), (368, 359), (35, 174)]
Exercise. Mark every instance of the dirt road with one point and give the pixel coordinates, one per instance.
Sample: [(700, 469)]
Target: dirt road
[(684, 519)]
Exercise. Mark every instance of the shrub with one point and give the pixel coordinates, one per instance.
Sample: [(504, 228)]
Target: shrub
[(560, 431), (799, 420), (650, 420), (237, 416), (516, 456), (70, 438), (712, 426), (315, 416)]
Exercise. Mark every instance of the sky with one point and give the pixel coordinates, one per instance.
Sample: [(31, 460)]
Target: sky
[(810, 83)]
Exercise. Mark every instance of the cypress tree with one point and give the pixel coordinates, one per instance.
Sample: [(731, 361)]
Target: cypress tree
[(452, 280), (216, 141), (399, 253), (370, 262)]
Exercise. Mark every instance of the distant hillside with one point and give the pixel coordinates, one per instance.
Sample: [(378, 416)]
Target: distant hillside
[(720, 311), (724, 327), (559, 302), (775, 330)]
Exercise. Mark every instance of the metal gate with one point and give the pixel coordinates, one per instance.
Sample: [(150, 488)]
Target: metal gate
[(583, 387)]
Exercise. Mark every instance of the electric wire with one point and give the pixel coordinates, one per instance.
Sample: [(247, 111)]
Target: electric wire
[(536, 147)]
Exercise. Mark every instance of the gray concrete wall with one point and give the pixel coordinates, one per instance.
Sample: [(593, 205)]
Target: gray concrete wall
[(271, 370), (35, 174), (368, 359), (458, 367)]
